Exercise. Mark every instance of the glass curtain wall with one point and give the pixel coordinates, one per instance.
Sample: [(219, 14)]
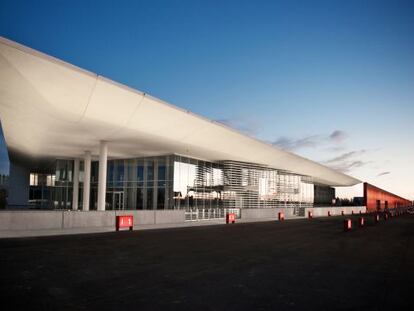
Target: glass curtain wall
[(248, 185), (197, 184), (142, 183), (230, 184), (39, 192), (61, 192), (178, 182)]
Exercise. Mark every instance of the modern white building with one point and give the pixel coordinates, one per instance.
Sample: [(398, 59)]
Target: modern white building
[(91, 143)]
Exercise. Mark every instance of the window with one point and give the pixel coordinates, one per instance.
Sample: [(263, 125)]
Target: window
[(160, 198), (149, 198), (150, 170), (140, 171), (139, 204), (161, 171)]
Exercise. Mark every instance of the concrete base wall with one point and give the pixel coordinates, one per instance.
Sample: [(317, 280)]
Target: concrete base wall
[(255, 213), (258, 213), (335, 210), (30, 220), (170, 217), (41, 220), (81, 219)]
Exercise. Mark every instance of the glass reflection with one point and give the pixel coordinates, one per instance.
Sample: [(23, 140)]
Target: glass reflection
[(178, 182)]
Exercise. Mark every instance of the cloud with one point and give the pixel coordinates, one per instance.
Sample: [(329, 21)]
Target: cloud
[(345, 156), (383, 173), (294, 144), (335, 149), (311, 141), (248, 126), (347, 161), (338, 136), (334, 142), (346, 167)]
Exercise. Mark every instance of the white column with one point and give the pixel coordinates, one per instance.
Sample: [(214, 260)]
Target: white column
[(75, 192), (103, 155), (86, 180)]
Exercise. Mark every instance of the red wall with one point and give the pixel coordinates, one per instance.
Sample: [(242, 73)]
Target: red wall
[(372, 194)]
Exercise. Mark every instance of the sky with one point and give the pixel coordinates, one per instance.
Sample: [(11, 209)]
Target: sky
[(329, 80)]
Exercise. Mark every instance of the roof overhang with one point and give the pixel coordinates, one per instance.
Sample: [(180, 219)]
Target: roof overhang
[(50, 109)]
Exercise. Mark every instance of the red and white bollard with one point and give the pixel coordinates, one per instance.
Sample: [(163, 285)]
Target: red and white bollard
[(361, 221), (347, 225), (281, 216), (230, 218), (310, 214)]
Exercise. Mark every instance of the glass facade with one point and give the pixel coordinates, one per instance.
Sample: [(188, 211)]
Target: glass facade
[(143, 184), (197, 184), (248, 185), (39, 194), (178, 182), (61, 194)]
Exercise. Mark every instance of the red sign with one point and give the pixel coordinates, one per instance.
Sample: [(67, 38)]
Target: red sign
[(124, 221), (230, 218)]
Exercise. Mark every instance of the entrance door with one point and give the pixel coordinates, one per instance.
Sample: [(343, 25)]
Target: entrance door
[(118, 200)]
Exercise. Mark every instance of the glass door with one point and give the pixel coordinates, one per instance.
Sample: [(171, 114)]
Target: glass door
[(118, 200)]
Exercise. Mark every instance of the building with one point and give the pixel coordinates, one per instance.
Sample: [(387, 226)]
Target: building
[(377, 199), (77, 140)]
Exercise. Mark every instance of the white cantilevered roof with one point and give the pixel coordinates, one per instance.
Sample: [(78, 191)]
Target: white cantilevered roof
[(51, 109)]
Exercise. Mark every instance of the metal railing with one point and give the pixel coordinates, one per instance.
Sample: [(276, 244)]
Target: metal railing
[(209, 213)]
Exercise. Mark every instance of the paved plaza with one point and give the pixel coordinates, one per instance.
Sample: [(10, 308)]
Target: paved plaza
[(292, 265)]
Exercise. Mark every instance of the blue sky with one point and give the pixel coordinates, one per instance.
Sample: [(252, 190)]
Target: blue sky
[(329, 80)]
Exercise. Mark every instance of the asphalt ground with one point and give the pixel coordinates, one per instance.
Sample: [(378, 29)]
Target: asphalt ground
[(291, 265)]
